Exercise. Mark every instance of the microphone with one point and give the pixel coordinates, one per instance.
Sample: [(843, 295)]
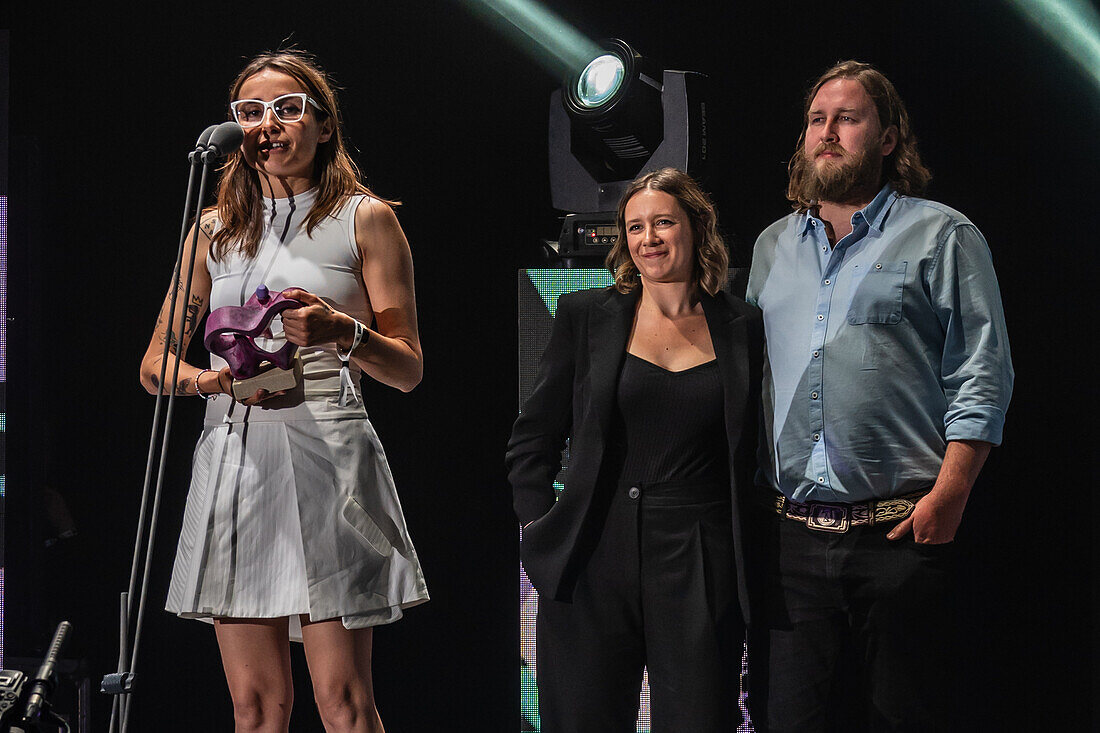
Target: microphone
[(43, 683), (200, 144), (225, 138), (204, 138)]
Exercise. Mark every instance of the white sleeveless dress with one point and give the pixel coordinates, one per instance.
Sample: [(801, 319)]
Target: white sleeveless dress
[(292, 508)]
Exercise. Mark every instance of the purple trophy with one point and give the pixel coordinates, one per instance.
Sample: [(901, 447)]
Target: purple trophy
[(231, 333)]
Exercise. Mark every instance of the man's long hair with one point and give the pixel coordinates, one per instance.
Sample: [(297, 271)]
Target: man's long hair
[(711, 257), (902, 167), (240, 205)]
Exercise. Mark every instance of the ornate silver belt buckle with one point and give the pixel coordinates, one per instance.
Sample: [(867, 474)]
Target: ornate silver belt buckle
[(829, 518)]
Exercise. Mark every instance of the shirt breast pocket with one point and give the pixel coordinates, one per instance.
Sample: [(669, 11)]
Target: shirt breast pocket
[(877, 293)]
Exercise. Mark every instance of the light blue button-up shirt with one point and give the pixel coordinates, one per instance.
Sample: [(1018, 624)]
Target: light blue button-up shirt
[(880, 350)]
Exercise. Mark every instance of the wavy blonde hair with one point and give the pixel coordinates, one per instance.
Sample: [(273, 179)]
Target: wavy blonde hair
[(902, 167), (240, 207), (711, 257)]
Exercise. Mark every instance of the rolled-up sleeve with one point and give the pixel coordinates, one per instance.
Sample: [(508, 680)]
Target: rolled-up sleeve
[(976, 369)]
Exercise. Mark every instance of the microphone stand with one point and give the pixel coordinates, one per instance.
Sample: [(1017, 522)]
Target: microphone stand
[(215, 142)]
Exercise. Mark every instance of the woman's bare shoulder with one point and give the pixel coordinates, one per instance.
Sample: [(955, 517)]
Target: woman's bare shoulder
[(209, 223)]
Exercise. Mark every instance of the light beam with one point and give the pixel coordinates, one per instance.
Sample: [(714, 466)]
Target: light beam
[(1073, 26), (552, 42)]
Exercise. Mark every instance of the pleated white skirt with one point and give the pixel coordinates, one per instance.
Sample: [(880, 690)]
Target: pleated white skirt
[(293, 511)]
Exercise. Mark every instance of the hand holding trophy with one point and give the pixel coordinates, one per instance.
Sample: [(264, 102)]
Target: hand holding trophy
[(231, 333)]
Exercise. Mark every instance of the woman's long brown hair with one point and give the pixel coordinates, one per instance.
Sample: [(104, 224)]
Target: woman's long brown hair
[(240, 207)]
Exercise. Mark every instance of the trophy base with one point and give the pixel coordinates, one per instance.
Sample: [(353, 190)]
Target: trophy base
[(270, 378)]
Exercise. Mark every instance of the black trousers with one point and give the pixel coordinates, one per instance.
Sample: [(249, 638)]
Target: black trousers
[(659, 592), (856, 632)]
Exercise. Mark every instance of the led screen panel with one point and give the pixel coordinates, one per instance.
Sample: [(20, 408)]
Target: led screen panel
[(539, 291)]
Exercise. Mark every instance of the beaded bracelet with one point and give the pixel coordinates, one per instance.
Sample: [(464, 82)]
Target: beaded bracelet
[(198, 391)]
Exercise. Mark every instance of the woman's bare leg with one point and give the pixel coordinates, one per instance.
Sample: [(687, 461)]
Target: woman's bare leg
[(256, 658), (339, 664)]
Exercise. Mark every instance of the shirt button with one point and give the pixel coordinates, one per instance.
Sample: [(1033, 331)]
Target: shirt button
[(817, 354), (878, 265), (821, 479), (826, 281), (634, 492), (824, 249), (813, 395), (817, 437), (820, 317)]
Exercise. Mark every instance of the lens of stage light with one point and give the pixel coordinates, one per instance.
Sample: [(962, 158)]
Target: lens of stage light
[(600, 80)]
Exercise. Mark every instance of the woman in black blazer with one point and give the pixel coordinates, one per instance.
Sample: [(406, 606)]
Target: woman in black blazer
[(639, 562)]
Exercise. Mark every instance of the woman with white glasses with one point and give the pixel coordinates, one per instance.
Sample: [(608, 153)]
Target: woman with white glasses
[(293, 529)]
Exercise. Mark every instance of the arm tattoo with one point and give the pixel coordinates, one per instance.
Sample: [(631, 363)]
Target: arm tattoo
[(191, 317), (181, 386)]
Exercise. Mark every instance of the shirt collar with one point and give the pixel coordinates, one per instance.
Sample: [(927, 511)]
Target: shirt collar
[(873, 213)]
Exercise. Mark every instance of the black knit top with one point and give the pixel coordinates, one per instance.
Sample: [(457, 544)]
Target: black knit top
[(671, 425)]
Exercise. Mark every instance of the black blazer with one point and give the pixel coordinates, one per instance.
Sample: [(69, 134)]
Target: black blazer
[(574, 397)]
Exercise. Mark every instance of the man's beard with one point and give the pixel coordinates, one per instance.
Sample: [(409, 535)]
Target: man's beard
[(840, 181)]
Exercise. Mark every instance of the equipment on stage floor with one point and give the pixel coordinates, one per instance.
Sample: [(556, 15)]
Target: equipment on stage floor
[(214, 143), (11, 697), (25, 701)]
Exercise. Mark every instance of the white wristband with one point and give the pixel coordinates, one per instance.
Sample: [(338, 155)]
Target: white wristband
[(356, 340)]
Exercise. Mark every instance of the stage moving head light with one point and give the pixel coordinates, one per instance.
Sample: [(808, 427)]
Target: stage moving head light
[(617, 118), (614, 107)]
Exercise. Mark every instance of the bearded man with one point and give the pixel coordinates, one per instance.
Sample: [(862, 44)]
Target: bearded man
[(886, 383)]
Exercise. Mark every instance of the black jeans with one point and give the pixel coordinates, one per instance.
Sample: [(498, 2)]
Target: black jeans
[(855, 632), (659, 591)]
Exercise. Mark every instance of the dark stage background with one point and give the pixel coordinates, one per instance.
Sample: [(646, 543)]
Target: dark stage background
[(451, 119)]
